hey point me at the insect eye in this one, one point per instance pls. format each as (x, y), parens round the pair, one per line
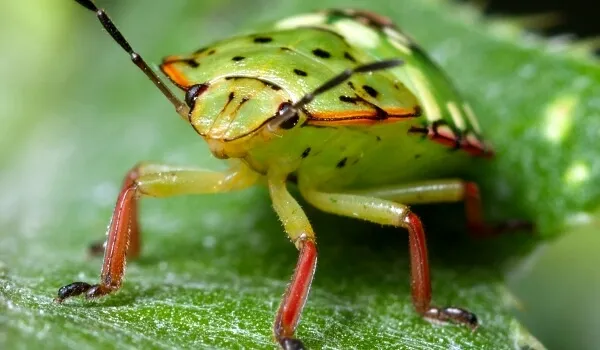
(287, 120)
(290, 122)
(193, 92)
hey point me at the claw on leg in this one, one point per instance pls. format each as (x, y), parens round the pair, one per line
(78, 288)
(291, 344)
(453, 314)
(71, 290)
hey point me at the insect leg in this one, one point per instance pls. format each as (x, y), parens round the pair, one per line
(133, 249)
(475, 220)
(386, 212)
(154, 181)
(301, 234)
(449, 190)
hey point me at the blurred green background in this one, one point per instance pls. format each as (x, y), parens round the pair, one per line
(75, 115)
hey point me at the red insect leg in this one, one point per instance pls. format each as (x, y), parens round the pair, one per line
(295, 296)
(475, 221)
(421, 281)
(123, 232)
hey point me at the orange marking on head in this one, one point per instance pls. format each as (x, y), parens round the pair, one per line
(175, 75)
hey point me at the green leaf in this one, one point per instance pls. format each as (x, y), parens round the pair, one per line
(78, 115)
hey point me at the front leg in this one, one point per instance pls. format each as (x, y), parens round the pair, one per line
(151, 180)
(301, 234)
(386, 212)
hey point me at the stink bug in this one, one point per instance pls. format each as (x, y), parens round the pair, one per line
(317, 100)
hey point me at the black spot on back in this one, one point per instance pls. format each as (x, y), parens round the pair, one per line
(349, 57)
(418, 110)
(200, 50)
(191, 62)
(306, 152)
(351, 85)
(271, 85)
(418, 130)
(348, 99)
(342, 163)
(283, 48)
(300, 72)
(237, 58)
(321, 53)
(263, 40)
(371, 91)
(211, 52)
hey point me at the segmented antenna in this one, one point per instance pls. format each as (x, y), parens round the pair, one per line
(181, 108)
(292, 110)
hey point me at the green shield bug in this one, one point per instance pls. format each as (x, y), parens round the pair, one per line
(340, 102)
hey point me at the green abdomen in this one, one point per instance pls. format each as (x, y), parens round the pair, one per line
(339, 158)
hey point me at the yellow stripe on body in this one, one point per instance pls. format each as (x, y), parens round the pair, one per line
(457, 117)
(423, 90)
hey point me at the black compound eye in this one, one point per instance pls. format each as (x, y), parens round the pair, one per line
(193, 92)
(290, 120)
